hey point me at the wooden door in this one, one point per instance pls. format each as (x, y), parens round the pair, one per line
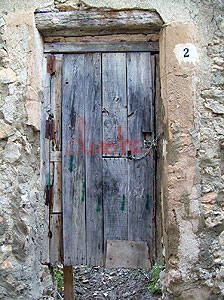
(107, 113)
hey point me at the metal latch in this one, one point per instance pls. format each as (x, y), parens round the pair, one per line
(148, 144)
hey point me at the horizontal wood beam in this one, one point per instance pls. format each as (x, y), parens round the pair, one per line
(79, 23)
(100, 47)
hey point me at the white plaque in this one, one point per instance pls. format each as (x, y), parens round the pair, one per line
(186, 53)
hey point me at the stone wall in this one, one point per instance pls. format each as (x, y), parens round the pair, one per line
(22, 205)
(193, 147)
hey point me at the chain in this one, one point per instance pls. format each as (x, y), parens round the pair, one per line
(152, 144)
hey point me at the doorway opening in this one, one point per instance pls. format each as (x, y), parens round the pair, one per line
(116, 210)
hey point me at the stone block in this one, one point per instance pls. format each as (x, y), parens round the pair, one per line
(33, 109)
(7, 75)
(202, 293)
(209, 200)
(5, 130)
(12, 152)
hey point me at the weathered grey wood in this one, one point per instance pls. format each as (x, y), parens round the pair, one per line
(114, 103)
(73, 160)
(139, 94)
(93, 154)
(158, 226)
(68, 283)
(141, 197)
(106, 198)
(45, 162)
(56, 238)
(56, 100)
(56, 109)
(141, 173)
(153, 74)
(100, 47)
(127, 254)
(115, 200)
(56, 156)
(77, 23)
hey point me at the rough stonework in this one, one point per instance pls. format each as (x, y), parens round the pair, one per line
(192, 105)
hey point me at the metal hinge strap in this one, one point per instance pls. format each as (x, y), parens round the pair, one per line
(51, 64)
(50, 126)
(49, 195)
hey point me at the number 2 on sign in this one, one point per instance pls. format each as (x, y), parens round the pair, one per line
(186, 52)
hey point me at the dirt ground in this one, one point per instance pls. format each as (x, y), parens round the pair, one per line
(111, 284)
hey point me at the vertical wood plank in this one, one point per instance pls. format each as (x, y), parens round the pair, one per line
(73, 162)
(55, 220)
(56, 109)
(93, 153)
(139, 92)
(114, 108)
(45, 167)
(158, 225)
(68, 283)
(140, 123)
(141, 197)
(153, 74)
(115, 199)
(56, 238)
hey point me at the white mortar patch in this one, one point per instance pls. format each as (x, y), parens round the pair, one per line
(186, 53)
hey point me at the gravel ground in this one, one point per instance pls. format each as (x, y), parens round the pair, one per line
(111, 284)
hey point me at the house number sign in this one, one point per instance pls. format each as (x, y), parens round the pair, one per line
(186, 53)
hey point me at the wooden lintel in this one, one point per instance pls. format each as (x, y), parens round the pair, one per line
(101, 47)
(80, 23)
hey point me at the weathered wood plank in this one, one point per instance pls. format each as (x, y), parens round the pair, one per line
(101, 47)
(56, 238)
(56, 100)
(154, 126)
(114, 103)
(45, 162)
(56, 156)
(158, 226)
(115, 199)
(56, 109)
(78, 22)
(93, 153)
(140, 126)
(140, 197)
(68, 283)
(127, 254)
(139, 94)
(73, 160)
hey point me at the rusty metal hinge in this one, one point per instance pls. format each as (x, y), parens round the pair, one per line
(50, 126)
(49, 195)
(51, 64)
